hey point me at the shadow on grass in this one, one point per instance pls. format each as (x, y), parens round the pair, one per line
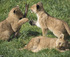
(32, 33)
(29, 33)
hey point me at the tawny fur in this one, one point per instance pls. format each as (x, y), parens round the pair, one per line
(46, 22)
(12, 23)
(38, 43)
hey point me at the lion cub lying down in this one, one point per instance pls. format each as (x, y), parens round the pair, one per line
(38, 43)
(12, 23)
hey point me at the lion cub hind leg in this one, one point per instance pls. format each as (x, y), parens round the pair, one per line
(5, 35)
(58, 33)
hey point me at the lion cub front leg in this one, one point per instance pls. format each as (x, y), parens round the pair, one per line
(16, 26)
(44, 31)
(60, 50)
(22, 21)
(16, 34)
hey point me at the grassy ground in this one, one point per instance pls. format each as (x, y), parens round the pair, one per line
(56, 8)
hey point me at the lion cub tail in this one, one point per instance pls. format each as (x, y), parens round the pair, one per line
(67, 27)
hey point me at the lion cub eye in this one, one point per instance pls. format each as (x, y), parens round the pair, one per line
(20, 18)
(59, 43)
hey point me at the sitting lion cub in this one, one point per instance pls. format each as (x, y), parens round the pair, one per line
(12, 23)
(38, 43)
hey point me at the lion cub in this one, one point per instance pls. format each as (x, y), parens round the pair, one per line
(38, 43)
(46, 22)
(12, 23)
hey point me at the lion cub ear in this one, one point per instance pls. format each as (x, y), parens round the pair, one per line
(14, 11)
(40, 3)
(61, 36)
(38, 7)
(16, 8)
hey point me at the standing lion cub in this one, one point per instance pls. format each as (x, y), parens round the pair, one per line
(38, 43)
(46, 22)
(12, 23)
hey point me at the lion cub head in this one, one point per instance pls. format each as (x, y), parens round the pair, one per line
(37, 7)
(16, 12)
(61, 43)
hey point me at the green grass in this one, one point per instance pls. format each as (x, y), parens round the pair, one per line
(56, 8)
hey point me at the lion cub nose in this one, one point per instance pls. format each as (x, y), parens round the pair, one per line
(31, 22)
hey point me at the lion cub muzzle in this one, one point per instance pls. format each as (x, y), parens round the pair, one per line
(32, 22)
